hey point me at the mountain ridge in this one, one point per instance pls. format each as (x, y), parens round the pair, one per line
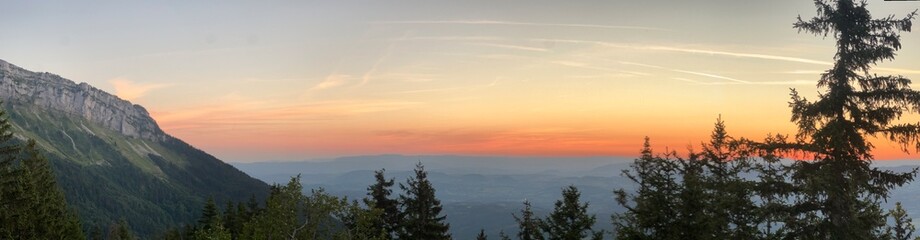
(112, 159)
(52, 91)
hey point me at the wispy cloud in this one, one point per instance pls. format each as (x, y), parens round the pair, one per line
(446, 89)
(604, 69)
(509, 46)
(449, 38)
(386, 54)
(719, 53)
(793, 82)
(688, 80)
(235, 112)
(736, 54)
(512, 23)
(803, 72)
(690, 50)
(409, 77)
(710, 75)
(130, 90)
(688, 72)
(331, 81)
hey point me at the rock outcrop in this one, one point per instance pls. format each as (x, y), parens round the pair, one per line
(50, 91)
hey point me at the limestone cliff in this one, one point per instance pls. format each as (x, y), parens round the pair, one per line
(50, 91)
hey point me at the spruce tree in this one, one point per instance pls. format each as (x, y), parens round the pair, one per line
(47, 215)
(421, 215)
(652, 212)
(570, 219)
(232, 220)
(120, 231)
(209, 215)
(210, 225)
(903, 225)
(32, 205)
(528, 224)
(839, 191)
(482, 235)
(11, 197)
(731, 211)
(361, 223)
(379, 198)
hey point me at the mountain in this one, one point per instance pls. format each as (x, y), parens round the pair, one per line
(112, 159)
(483, 192)
(477, 192)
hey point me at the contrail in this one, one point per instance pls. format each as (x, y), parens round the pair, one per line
(493, 22)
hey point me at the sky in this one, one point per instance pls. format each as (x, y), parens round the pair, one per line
(255, 81)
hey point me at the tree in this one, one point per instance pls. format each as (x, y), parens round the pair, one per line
(47, 214)
(32, 205)
(11, 197)
(232, 221)
(120, 231)
(482, 235)
(421, 215)
(210, 224)
(210, 217)
(528, 224)
(218, 232)
(361, 223)
(839, 191)
(379, 198)
(903, 226)
(652, 212)
(728, 194)
(282, 214)
(569, 219)
(702, 196)
(319, 209)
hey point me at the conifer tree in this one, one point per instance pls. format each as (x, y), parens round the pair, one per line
(252, 207)
(421, 215)
(731, 210)
(32, 205)
(120, 231)
(482, 235)
(379, 198)
(209, 215)
(839, 190)
(570, 219)
(11, 197)
(46, 215)
(361, 223)
(232, 220)
(96, 234)
(652, 212)
(903, 225)
(210, 224)
(528, 224)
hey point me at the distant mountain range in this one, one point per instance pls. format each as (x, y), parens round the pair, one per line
(484, 192)
(112, 159)
(477, 192)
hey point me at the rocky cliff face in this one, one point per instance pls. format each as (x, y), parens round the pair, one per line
(46, 90)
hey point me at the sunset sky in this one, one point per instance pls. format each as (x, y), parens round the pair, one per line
(294, 80)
